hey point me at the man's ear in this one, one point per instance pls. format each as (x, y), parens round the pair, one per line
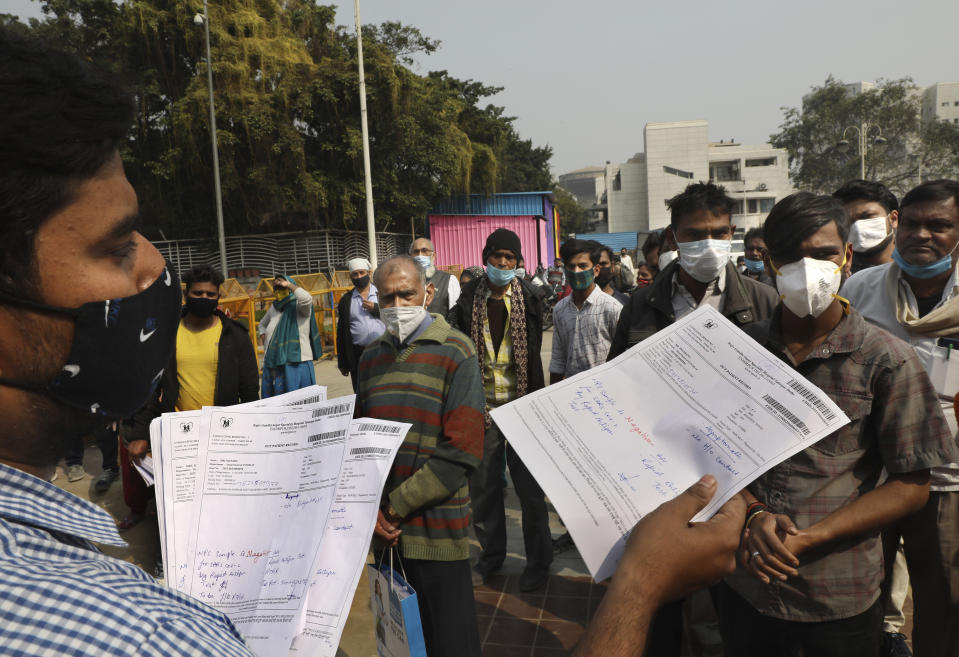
(893, 219)
(430, 293)
(669, 239)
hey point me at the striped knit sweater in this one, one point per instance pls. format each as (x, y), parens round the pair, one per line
(434, 384)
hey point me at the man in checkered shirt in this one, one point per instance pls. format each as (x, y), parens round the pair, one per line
(585, 321)
(67, 238)
(811, 560)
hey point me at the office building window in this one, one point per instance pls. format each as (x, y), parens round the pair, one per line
(956, 103)
(724, 171)
(617, 183)
(679, 172)
(738, 207)
(945, 103)
(760, 205)
(761, 162)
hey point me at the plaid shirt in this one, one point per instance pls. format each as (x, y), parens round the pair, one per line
(59, 596)
(895, 423)
(581, 338)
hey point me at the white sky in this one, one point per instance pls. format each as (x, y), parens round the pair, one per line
(586, 76)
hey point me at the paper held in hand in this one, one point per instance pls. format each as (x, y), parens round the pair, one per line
(266, 511)
(698, 397)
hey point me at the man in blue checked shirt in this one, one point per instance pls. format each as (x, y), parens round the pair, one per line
(88, 315)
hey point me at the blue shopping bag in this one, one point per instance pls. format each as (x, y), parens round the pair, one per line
(396, 613)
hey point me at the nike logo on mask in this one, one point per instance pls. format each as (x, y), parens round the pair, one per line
(146, 336)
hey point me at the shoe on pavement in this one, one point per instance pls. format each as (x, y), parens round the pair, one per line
(533, 580)
(54, 477)
(102, 483)
(481, 574)
(75, 472)
(894, 645)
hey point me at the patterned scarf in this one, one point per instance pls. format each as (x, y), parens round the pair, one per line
(517, 322)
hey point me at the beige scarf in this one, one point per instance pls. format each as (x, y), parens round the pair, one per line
(944, 320)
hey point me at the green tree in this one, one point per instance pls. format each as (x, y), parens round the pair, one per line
(812, 133)
(572, 217)
(288, 126)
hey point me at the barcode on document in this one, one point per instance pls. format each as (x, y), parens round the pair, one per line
(786, 413)
(812, 397)
(329, 435)
(331, 410)
(380, 428)
(369, 450)
(308, 400)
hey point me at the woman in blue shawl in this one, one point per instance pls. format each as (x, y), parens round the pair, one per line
(292, 340)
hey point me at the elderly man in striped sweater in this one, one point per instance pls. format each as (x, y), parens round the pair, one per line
(423, 372)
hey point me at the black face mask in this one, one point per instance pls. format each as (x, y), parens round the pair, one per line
(604, 277)
(362, 282)
(201, 306)
(120, 348)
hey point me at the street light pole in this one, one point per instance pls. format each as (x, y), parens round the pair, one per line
(221, 236)
(862, 131)
(370, 225)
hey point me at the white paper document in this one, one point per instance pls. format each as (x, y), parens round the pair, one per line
(698, 397)
(267, 510)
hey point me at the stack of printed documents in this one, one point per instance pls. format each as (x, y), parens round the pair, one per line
(266, 511)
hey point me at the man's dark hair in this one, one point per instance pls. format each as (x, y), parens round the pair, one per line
(700, 196)
(202, 274)
(867, 190)
(598, 251)
(653, 241)
(796, 218)
(572, 248)
(61, 123)
(752, 234)
(932, 190)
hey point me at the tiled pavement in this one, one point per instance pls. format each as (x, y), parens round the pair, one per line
(546, 623)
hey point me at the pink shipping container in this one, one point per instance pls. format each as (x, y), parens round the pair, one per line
(459, 239)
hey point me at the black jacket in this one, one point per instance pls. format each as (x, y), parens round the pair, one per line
(344, 339)
(461, 315)
(650, 308)
(237, 379)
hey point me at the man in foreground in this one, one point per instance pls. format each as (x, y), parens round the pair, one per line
(915, 297)
(811, 560)
(423, 372)
(70, 360)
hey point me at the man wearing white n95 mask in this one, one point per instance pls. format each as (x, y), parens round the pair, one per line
(702, 275)
(811, 561)
(873, 214)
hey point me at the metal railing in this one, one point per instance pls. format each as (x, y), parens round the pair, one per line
(283, 253)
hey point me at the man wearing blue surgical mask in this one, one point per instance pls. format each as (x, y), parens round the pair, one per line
(447, 287)
(703, 274)
(503, 314)
(916, 298)
(755, 257)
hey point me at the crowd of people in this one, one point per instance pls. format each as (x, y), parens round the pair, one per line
(856, 291)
